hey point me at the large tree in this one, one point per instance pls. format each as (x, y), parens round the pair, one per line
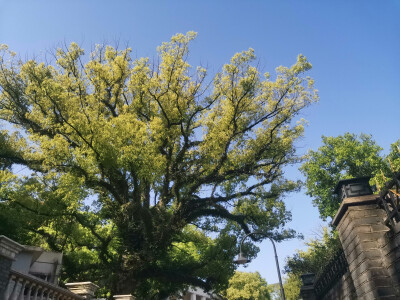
(132, 162)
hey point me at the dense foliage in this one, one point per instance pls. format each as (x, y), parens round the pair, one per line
(313, 260)
(340, 157)
(247, 286)
(128, 164)
(292, 286)
(319, 252)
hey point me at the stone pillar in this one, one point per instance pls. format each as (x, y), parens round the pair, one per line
(307, 291)
(362, 232)
(8, 250)
(85, 289)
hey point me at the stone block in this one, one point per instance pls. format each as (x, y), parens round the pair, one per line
(350, 242)
(385, 292)
(363, 228)
(355, 260)
(9, 248)
(124, 297)
(380, 227)
(356, 213)
(85, 289)
(372, 236)
(368, 221)
(373, 253)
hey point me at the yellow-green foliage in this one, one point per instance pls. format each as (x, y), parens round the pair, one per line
(124, 154)
(116, 112)
(391, 167)
(292, 287)
(247, 286)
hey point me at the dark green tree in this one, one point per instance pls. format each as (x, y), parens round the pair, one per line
(340, 157)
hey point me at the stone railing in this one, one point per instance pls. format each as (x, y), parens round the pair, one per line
(25, 287)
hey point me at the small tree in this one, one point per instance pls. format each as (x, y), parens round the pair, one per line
(131, 163)
(313, 260)
(247, 286)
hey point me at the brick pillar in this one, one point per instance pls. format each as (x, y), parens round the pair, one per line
(307, 291)
(362, 232)
(8, 250)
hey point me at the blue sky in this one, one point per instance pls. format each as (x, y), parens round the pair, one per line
(354, 47)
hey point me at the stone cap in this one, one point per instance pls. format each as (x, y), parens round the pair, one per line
(85, 289)
(353, 201)
(9, 248)
(353, 187)
(307, 279)
(124, 297)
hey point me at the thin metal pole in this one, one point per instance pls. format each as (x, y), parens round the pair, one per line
(277, 268)
(276, 259)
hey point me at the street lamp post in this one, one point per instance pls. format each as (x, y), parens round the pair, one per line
(243, 260)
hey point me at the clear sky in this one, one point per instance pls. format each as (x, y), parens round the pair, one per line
(354, 47)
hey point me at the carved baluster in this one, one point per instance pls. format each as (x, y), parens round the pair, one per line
(29, 292)
(13, 295)
(36, 292)
(8, 288)
(42, 293)
(21, 292)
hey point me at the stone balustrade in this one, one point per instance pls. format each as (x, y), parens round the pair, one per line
(25, 287)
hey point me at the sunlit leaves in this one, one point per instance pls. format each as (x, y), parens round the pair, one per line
(341, 157)
(247, 286)
(130, 153)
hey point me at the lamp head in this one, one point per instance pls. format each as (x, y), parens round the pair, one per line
(241, 260)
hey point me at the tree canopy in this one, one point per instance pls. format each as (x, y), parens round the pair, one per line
(130, 163)
(342, 157)
(247, 286)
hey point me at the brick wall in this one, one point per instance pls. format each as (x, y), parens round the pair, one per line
(343, 289)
